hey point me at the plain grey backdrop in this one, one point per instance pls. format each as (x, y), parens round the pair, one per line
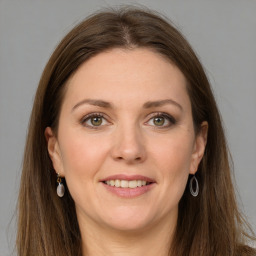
(223, 33)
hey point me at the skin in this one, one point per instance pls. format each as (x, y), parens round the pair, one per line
(130, 140)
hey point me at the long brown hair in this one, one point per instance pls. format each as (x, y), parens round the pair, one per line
(208, 225)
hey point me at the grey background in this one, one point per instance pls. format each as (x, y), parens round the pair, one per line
(223, 33)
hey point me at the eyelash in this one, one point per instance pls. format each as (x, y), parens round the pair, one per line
(167, 117)
(87, 117)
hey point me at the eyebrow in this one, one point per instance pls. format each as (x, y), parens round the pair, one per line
(159, 103)
(148, 104)
(98, 103)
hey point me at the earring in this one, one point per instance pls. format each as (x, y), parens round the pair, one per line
(192, 191)
(60, 187)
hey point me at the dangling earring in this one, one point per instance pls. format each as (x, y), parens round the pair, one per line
(60, 187)
(192, 191)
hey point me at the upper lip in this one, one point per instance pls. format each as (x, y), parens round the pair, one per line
(128, 177)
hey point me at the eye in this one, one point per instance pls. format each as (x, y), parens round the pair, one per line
(94, 120)
(161, 120)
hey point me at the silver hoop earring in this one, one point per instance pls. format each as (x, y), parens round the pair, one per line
(192, 191)
(60, 187)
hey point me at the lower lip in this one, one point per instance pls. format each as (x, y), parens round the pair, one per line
(129, 192)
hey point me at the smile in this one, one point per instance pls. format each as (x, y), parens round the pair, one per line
(127, 186)
(126, 183)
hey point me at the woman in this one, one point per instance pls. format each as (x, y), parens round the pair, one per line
(126, 153)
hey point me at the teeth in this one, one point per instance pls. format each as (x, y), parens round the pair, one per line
(117, 183)
(133, 184)
(126, 183)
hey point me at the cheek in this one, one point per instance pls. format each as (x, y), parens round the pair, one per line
(174, 152)
(82, 155)
(173, 158)
(82, 159)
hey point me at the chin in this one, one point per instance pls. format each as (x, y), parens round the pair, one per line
(128, 226)
(127, 220)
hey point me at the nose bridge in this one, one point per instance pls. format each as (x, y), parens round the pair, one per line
(128, 143)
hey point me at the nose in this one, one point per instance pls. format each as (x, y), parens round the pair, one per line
(128, 146)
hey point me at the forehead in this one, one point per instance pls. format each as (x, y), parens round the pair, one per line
(127, 75)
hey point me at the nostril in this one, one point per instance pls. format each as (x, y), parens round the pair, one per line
(128, 154)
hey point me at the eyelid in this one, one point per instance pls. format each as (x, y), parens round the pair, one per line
(94, 114)
(167, 116)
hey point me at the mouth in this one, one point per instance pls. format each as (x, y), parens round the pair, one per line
(128, 186)
(127, 183)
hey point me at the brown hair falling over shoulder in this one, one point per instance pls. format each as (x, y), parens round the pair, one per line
(208, 225)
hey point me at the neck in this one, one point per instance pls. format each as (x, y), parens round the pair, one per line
(102, 240)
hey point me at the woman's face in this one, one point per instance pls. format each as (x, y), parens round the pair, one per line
(126, 142)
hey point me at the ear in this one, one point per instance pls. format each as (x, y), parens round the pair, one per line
(54, 151)
(199, 147)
